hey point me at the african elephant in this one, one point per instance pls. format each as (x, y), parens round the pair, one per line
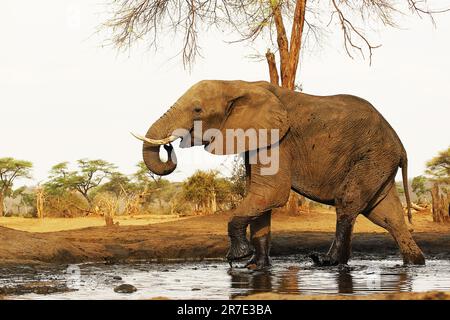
(337, 150)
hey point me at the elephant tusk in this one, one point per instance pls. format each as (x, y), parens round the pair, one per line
(153, 141)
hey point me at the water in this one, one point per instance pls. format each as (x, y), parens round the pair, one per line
(215, 280)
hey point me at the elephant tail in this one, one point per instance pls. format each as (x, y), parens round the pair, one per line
(404, 166)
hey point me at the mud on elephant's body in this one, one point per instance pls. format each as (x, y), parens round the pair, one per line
(337, 150)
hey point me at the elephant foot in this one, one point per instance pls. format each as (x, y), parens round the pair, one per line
(256, 263)
(415, 259)
(239, 245)
(238, 250)
(323, 260)
(260, 260)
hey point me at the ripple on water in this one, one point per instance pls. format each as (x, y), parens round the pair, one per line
(214, 280)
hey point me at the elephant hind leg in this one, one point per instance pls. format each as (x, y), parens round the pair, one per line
(341, 248)
(388, 214)
(360, 186)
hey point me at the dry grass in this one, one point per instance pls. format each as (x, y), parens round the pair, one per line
(61, 224)
(320, 220)
(143, 237)
(323, 220)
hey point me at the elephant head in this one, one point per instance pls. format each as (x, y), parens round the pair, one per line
(216, 106)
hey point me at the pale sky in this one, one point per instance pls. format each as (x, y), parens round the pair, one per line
(63, 97)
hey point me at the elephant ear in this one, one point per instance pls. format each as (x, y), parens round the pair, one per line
(254, 118)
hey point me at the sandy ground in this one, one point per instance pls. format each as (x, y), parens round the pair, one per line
(191, 238)
(60, 224)
(321, 220)
(158, 238)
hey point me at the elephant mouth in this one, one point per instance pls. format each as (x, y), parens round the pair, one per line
(189, 140)
(186, 140)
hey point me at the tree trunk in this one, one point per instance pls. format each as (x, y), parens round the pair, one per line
(40, 202)
(296, 42)
(292, 204)
(109, 221)
(289, 52)
(213, 202)
(282, 42)
(417, 207)
(273, 72)
(89, 201)
(441, 205)
(2, 204)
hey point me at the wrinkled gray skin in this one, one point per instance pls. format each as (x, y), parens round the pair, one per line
(337, 150)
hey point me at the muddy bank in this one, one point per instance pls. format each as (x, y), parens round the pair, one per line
(42, 289)
(194, 238)
(433, 295)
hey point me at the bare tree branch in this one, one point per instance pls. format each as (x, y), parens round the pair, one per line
(133, 21)
(296, 40)
(273, 72)
(282, 41)
(348, 30)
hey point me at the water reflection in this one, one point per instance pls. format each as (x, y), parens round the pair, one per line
(363, 277)
(214, 280)
(344, 281)
(289, 280)
(250, 281)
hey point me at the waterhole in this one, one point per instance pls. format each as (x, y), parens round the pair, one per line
(215, 279)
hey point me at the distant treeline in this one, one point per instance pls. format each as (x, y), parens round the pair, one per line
(96, 187)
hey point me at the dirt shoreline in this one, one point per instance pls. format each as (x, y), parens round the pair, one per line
(198, 238)
(431, 295)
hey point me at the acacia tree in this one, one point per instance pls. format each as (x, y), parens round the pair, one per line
(134, 20)
(418, 185)
(151, 185)
(145, 177)
(438, 169)
(10, 170)
(88, 175)
(27, 199)
(118, 184)
(206, 190)
(238, 177)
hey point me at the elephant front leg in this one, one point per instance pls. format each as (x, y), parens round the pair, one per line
(265, 192)
(239, 244)
(259, 248)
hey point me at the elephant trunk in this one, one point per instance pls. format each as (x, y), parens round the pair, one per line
(160, 130)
